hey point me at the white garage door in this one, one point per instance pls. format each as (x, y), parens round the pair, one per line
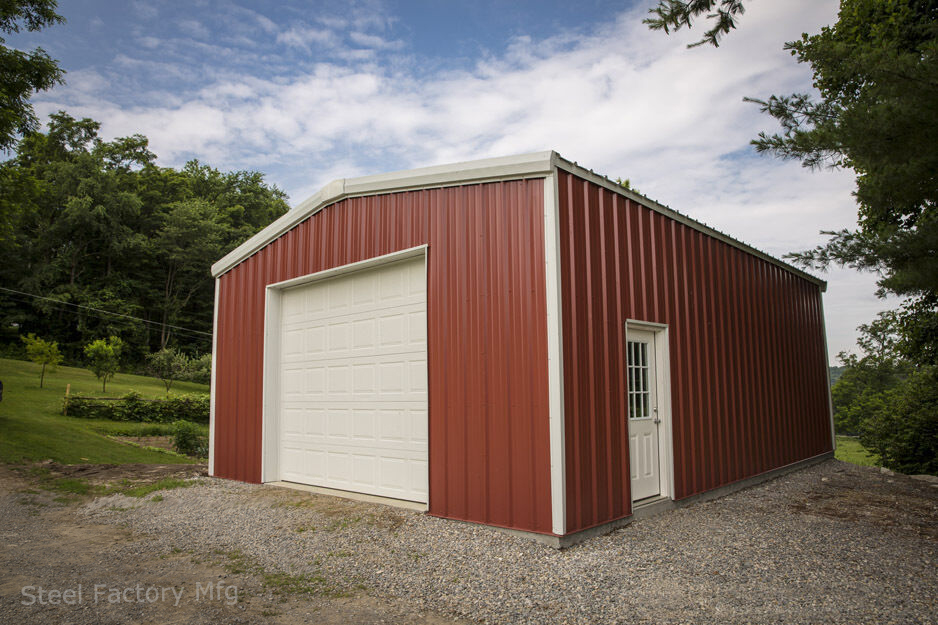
(353, 385)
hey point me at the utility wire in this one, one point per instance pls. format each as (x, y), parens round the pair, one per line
(108, 312)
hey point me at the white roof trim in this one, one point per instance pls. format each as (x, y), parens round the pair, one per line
(535, 164)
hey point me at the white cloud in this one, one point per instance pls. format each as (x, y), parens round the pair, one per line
(146, 10)
(149, 42)
(193, 28)
(623, 100)
(374, 41)
(304, 37)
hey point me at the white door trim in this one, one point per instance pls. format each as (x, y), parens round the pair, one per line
(663, 390)
(270, 412)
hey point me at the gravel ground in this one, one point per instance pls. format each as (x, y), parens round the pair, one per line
(832, 543)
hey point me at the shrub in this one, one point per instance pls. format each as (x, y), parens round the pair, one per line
(188, 439)
(200, 369)
(43, 353)
(902, 424)
(132, 407)
(168, 365)
(103, 358)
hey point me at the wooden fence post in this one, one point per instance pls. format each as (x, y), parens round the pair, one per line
(68, 388)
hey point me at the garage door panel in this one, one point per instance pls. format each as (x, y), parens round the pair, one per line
(399, 330)
(354, 382)
(396, 429)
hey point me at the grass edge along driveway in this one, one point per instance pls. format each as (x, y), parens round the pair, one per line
(33, 429)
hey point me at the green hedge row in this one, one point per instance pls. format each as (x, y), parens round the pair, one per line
(132, 407)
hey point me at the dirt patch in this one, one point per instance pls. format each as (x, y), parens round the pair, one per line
(46, 544)
(138, 473)
(160, 442)
(335, 511)
(887, 502)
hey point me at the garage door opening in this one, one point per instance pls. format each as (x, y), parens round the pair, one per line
(345, 403)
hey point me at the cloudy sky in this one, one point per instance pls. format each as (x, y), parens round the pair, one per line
(311, 91)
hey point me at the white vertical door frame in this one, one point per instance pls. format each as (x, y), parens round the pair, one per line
(663, 396)
(211, 390)
(270, 415)
(558, 478)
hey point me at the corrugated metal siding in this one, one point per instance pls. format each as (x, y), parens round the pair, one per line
(746, 340)
(489, 451)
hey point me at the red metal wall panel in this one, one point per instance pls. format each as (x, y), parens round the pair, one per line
(748, 381)
(488, 424)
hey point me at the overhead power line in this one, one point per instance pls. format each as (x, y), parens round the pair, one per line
(108, 312)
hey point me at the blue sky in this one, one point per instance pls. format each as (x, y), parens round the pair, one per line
(312, 91)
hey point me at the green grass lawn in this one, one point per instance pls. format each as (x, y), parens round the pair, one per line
(32, 427)
(850, 450)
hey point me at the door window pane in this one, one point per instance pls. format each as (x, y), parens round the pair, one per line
(639, 393)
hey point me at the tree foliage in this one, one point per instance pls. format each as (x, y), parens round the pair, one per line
(876, 70)
(677, 14)
(98, 224)
(169, 365)
(104, 358)
(888, 400)
(24, 73)
(43, 353)
(876, 112)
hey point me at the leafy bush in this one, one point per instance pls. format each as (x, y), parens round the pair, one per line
(43, 353)
(103, 358)
(169, 365)
(902, 424)
(188, 439)
(200, 369)
(861, 388)
(132, 407)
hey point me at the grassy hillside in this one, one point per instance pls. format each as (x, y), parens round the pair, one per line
(32, 427)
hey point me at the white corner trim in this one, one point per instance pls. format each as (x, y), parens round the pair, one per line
(535, 164)
(558, 469)
(211, 400)
(270, 400)
(827, 374)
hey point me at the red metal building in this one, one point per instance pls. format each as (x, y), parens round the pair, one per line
(514, 341)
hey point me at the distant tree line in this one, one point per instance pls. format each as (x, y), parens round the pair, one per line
(100, 226)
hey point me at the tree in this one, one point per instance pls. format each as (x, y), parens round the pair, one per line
(43, 353)
(104, 358)
(675, 14)
(861, 390)
(98, 225)
(888, 400)
(24, 73)
(169, 365)
(876, 71)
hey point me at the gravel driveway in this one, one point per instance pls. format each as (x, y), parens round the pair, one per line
(831, 543)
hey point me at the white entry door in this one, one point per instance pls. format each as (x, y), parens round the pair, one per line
(644, 422)
(353, 382)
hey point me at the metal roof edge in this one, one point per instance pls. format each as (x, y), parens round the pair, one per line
(499, 168)
(603, 181)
